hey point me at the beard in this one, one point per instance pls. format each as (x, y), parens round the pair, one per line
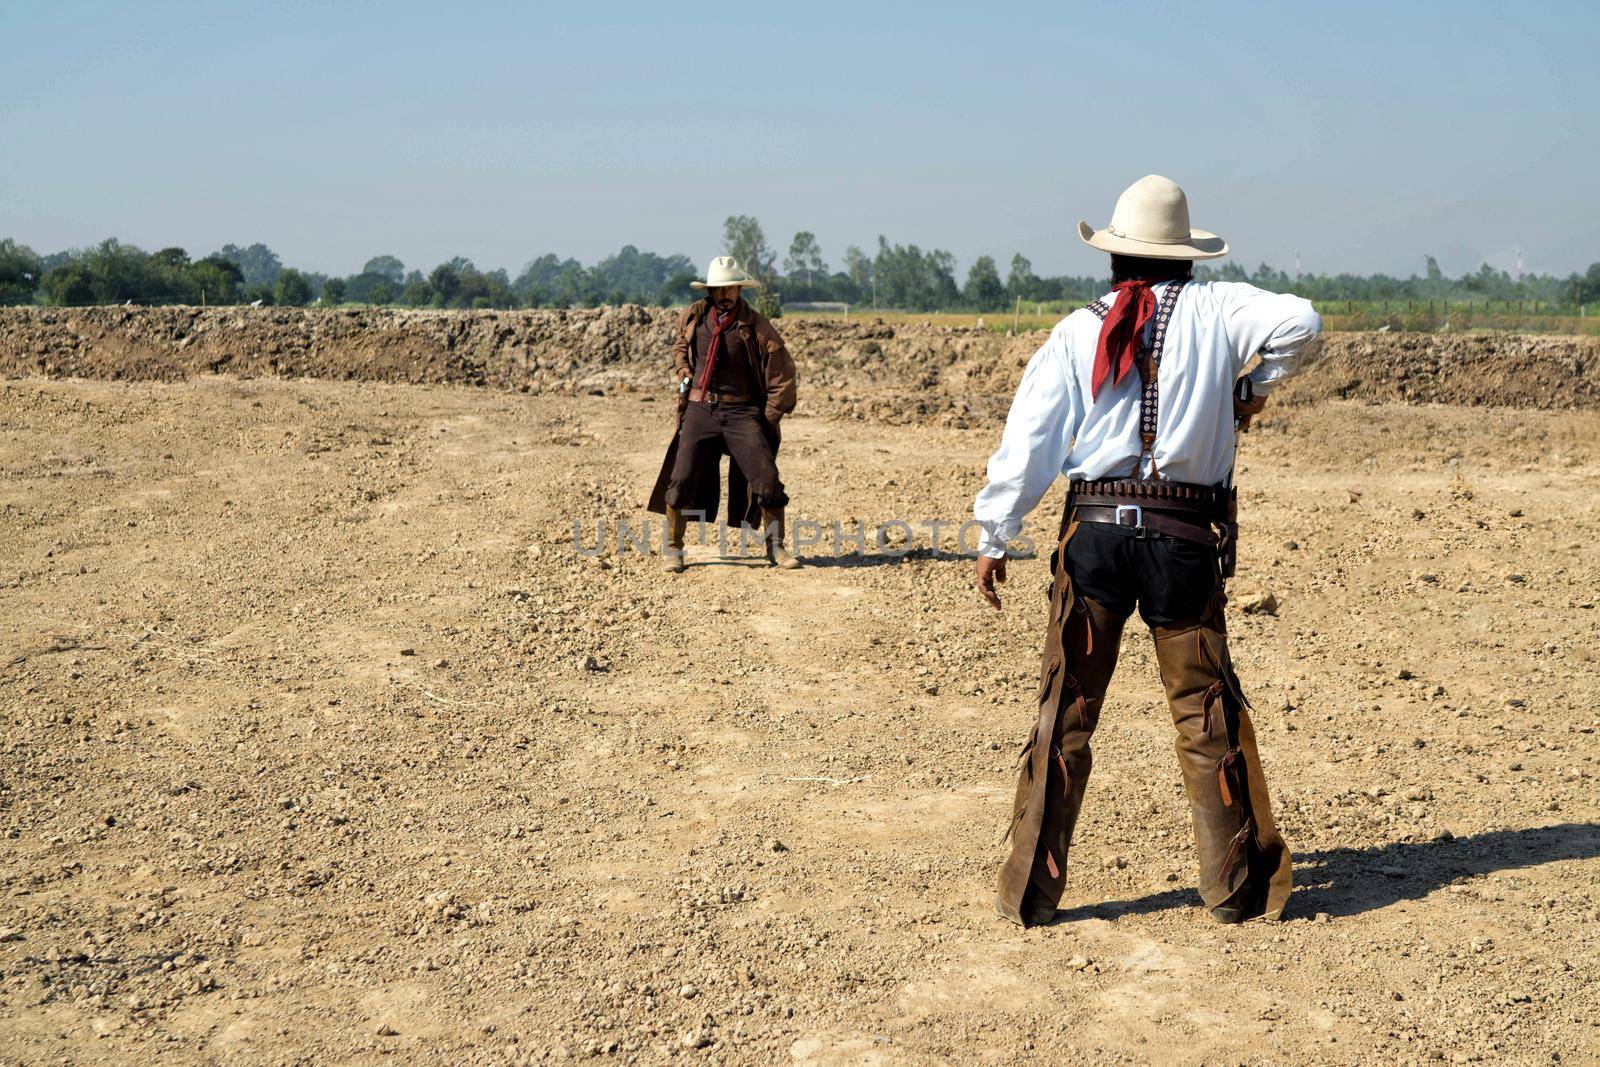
(726, 303)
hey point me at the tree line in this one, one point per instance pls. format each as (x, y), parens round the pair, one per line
(892, 276)
(113, 273)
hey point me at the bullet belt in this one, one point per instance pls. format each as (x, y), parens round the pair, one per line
(1176, 509)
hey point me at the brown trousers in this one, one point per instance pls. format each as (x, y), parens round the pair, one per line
(1244, 863)
(708, 430)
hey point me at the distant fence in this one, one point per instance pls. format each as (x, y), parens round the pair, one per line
(1444, 307)
(818, 305)
(1426, 316)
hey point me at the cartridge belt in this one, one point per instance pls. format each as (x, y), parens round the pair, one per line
(1183, 510)
(1212, 503)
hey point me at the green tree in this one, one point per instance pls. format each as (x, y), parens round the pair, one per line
(69, 285)
(907, 277)
(20, 273)
(983, 289)
(743, 240)
(573, 286)
(858, 265)
(214, 280)
(417, 294)
(473, 288)
(444, 283)
(174, 259)
(167, 278)
(804, 257)
(447, 282)
(119, 272)
(1584, 288)
(674, 289)
(381, 295)
(292, 289)
(536, 284)
(389, 267)
(333, 292)
(1021, 281)
(110, 272)
(258, 263)
(629, 276)
(499, 292)
(358, 287)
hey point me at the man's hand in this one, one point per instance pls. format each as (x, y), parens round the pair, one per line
(1243, 410)
(990, 571)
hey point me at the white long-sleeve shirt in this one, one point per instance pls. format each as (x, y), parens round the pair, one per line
(1055, 428)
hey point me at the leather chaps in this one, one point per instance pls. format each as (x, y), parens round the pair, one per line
(1244, 863)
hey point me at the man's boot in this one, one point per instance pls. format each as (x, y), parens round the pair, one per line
(772, 524)
(677, 525)
(1080, 654)
(1244, 863)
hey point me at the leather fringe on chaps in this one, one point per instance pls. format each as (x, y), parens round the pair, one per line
(1081, 644)
(1244, 863)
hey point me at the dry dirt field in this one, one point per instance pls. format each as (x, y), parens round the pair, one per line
(321, 743)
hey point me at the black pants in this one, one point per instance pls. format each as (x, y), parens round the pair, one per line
(707, 430)
(1171, 580)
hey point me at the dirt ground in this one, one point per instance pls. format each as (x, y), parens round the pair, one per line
(321, 743)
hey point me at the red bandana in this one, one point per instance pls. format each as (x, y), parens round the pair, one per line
(1122, 331)
(719, 324)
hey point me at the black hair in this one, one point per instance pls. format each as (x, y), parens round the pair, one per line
(1151, 270)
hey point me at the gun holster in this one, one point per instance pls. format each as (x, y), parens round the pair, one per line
(1228, 539)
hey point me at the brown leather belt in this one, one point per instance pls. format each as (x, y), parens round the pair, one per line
(1145, 519)
(1177, 509)
(705, 396)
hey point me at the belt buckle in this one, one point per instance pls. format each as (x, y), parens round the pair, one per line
(1137, 514)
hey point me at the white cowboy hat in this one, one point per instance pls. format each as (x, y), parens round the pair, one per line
(725, 270)
(1152, 220)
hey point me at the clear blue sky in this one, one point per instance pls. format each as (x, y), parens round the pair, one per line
(1364, 135)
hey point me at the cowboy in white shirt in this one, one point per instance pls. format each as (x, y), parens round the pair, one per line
(1149, 524)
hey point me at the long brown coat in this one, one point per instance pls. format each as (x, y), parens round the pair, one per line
(769, 369)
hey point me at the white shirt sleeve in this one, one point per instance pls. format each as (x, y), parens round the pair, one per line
(1044, 419)
(1286, 331)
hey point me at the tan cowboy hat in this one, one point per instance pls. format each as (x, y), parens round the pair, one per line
(725, 270)
(1152, 220)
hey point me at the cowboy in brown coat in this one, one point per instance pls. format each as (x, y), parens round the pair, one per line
(1149, 524)
(736, 382)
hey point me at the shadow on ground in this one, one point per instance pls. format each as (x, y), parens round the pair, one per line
(1350, 881)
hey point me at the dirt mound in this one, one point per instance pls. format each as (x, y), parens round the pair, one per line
(1511, 370)
(861, 370)
(472, 347)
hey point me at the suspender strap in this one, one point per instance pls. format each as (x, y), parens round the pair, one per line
(1149, 372)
